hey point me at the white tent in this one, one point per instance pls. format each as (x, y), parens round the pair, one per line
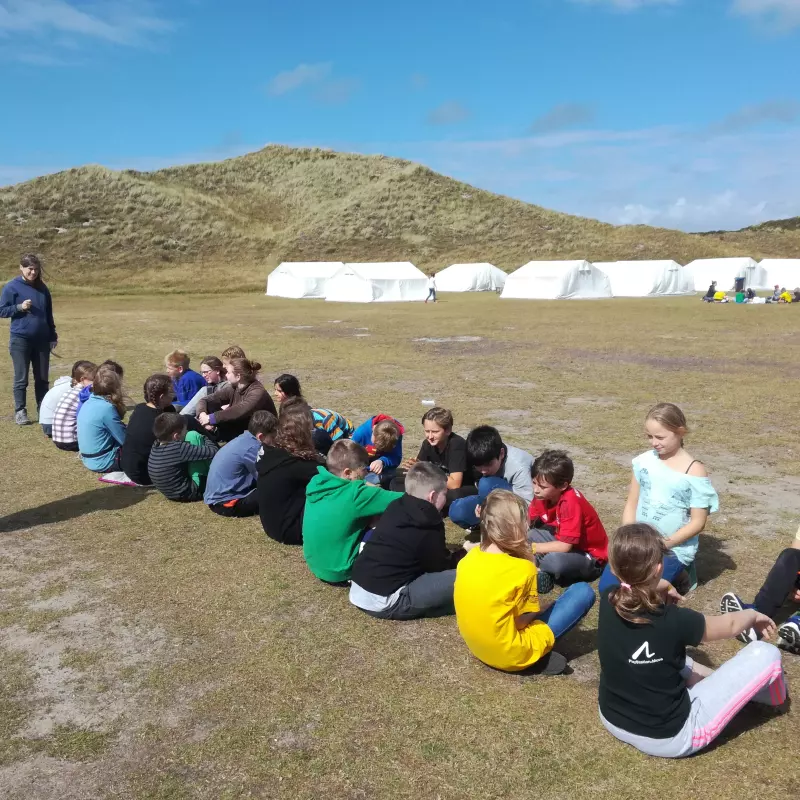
(725, 271)
(301, 278)
(783, 271)
(557, 280)
(367, 283)
(646, 278)
(470, 278)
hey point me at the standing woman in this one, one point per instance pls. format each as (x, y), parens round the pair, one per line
(27, 302)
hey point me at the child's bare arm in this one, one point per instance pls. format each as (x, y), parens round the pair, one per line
(629, 512)
(542, 548)
(696, 524)
(728, 626)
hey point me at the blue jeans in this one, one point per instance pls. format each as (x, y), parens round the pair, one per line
(462, 510)
(672, 568)
(569, 609)
(24, 355)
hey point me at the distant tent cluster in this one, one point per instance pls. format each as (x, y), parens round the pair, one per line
(537, 280)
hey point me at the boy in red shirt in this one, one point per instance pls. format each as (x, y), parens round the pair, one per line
(567, 537)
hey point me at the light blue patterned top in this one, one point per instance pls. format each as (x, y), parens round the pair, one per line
(666, 498)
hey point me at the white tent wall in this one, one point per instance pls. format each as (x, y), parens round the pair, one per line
(395, 281)
(301, 279)
(470, 278)
(557, 280)
(646, 278)
(722, 270)
(783, 271)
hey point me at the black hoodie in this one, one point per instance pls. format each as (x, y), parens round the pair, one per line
(407, 542)
(281, 487)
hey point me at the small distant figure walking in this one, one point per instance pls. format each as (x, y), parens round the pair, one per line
(26, 301)
(431, 288)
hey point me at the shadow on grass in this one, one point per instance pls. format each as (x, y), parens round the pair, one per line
(712, 560)
(111, 498)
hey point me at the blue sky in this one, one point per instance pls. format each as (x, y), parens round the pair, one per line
(681, 113)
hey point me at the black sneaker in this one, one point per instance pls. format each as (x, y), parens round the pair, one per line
(730, 604)
(545, 582)
(551, 664)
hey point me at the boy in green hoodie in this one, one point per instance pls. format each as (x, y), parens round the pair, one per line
(339, 508)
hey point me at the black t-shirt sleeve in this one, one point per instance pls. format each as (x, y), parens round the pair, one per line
(457, 455)
(423, 454)
(690, 625)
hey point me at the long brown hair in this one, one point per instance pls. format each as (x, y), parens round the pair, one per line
(108, 384)
(295, 429)
(634, 555)
(504, 523)
(246, 370)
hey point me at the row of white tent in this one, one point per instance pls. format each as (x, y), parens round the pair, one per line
(544, 280)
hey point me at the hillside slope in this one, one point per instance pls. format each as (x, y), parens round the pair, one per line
(232, 220)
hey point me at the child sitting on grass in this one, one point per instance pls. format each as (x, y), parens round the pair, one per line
(179, 461)
(101, 432)
(671, 491)
(65, 419)
(139, 439)
(569, 541)
(86, 391)
(499, 466)
(652, 695)
(405, 570)
(497, 606)
(186, 382)
(382, 436)
(231, 484)
(782, 583)
(339, 507)
(62, 387)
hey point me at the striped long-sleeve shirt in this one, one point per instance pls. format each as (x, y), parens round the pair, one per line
(334, 424)
(65, 420)
(168, 467)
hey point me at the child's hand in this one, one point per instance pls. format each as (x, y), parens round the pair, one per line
(478, 512)
(468, 545)
(796, 596)
(409, 462)
(524, 620)
(764, 626)
(376, 466)
(672, 595)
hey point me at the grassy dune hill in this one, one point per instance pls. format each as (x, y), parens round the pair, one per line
(235, 218)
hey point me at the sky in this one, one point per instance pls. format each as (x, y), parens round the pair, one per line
(678, 113)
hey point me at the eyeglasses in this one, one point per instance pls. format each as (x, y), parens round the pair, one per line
(206, 371)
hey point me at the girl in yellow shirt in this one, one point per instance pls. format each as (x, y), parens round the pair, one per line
(497, 608)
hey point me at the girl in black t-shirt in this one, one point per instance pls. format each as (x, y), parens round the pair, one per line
(652, 695)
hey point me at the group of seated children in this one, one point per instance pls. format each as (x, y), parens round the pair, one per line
(371, 522)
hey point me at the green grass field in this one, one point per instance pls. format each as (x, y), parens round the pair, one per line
(153, 650)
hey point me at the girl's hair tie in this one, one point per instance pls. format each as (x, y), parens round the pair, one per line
(625, 586)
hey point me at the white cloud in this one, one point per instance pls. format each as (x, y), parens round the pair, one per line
(627, 5)
(123, 22)
(780, 15)
(563, 115)
(302, 75)
(448, 113)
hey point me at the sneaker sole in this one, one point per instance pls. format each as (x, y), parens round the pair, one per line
(791, 640)
(729, 605)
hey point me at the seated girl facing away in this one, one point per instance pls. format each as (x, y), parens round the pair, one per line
(671, 491)
(329, 426)
(497, 607)
(652, 695)
(101, 433)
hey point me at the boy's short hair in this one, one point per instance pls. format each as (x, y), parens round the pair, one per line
(484, 444)
(346, 454)
(263, 422)
(178, 358)
(113, 365)
(385, 436)
(166, 425)
(555, 467)
(424, 478)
